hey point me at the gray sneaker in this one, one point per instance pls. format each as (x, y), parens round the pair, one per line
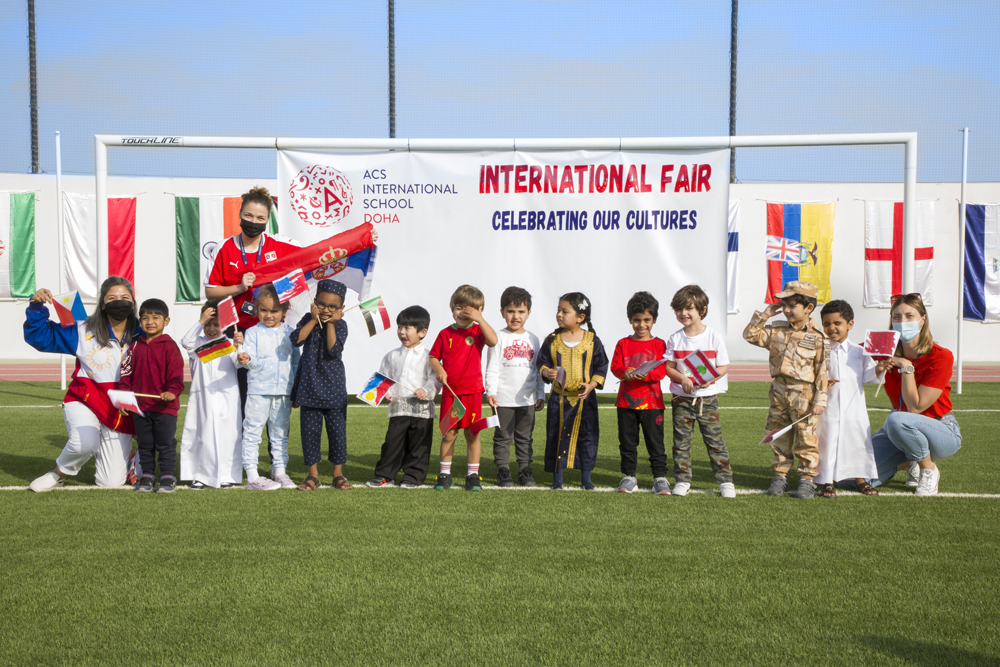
(913, 475)
(806, 490)
(628, 484)
(661, 486)
(285, 481)
(264, 484)
(778, 486)
(409, 485)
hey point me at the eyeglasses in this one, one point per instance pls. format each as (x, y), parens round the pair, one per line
(326, 306)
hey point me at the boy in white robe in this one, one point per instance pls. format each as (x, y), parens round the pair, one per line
(212, 444)
(845, 436)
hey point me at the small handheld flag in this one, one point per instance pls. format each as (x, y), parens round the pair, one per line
(492, 421)
(227, 313)
(291, 285)
(645, 368)
(700, 368)
(214, 349)
(125, 400)
(376, 315)
(69, 308)
(561, 376)
(454, 415)
(375, 389)
(781, 431)
(881, 344)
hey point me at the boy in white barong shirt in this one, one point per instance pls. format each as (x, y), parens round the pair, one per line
(845, 435)
(212, 443)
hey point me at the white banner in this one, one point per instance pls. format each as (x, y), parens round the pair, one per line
(605, 223)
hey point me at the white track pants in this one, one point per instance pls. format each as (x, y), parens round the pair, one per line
(88, 437)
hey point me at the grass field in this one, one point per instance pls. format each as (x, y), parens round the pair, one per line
(418, 577)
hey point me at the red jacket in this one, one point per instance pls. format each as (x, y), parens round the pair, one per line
(153, 367)
(639, 394)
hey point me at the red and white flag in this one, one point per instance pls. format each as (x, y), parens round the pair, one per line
(80, 241)
(227, 313)
(487, 422)
(700, 368)
(881, 344)
(884, 252)
(124, 400)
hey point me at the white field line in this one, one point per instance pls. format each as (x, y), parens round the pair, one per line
(602, 407)
(602, 489)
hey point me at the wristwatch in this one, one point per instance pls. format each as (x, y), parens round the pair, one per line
(906, 369)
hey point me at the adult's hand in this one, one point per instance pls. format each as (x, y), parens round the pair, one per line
(42, 296)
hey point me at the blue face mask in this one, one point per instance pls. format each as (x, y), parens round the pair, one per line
(907, 330)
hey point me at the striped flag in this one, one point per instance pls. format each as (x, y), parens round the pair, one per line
(201, 224)
(80, 241)
(732, 258)
(699, 367)
(485, 423)
(17, 244)
(124, 400)
(884, 252)
(69, 308)
(290, 286)
(453, 416)
(811, 226)
(214, 349)
(375, 389)
(376, 315)
(981, 300)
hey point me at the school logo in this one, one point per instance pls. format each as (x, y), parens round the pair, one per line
(321, 196)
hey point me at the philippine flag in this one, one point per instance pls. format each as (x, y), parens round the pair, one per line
(811, 226)
(375, 389)
(982, 263)
(69, 308)
(291, 285)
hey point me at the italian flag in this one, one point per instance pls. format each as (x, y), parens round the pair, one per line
(17, 244)
(80, 241)
(202, 223)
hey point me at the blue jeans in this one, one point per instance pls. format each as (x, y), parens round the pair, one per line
(276, 412)
(911, 437)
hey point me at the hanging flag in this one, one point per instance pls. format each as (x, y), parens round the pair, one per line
(981, 300)
(485, 423)
(291, 285)
(732, 258)
(699, 367)
(202, 224)
(453, 416)
(17, 244)
(227, 314)
(124, 400)
(80, 241)
(375, 389)
(884, 252)
(376, 316)
(214, 349)
(69, 308)
(811, 226)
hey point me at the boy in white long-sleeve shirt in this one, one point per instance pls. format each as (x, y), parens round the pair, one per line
(410, 434)
(514, 388)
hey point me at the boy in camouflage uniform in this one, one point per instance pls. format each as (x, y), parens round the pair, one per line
(798, 352)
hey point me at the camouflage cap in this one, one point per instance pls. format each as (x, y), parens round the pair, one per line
(798, 287)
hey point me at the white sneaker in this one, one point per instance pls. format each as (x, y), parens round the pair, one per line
(681, 488)
(727, 490)
(913, 475)
(928, 482)
(47, 482)
(285, 481)
(264, 484)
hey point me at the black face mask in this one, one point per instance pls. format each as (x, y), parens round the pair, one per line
(119, 309)
(252, 229)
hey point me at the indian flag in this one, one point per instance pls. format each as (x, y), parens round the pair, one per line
(17, 244)
(202, 223)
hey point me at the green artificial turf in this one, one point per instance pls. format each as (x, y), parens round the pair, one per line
(390, 576)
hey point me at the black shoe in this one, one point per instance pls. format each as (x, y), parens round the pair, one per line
(475, 483)
(524, 477)
(145, 484)
(504, 480)
(444, 483)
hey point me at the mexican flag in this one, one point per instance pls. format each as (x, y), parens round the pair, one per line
(80, 241)
(202, 223)
(17, 244)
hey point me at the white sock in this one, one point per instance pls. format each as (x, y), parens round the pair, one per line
(252, 475)
(277, 471)
(473, 469)
(445, 467)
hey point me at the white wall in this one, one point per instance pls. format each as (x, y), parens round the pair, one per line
(155, 259)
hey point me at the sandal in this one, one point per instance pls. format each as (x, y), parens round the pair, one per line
(341, 484)
(828, 490)
(866, 489)
(310, 483)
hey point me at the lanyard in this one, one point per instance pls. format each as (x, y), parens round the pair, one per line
(243, 252)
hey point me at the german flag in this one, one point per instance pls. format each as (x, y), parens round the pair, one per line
(214, 349)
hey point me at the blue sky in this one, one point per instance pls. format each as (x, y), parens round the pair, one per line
(514, 68)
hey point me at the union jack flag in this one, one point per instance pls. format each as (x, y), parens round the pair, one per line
(782, 250)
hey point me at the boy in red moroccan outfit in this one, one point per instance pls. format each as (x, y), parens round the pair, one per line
(457, 360)
(154, 365)
(640, 400)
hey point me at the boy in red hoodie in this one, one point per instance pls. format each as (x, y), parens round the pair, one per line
(153, 365)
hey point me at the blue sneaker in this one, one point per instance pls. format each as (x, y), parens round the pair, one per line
(145, 484)
(628, 484)
(661, 486)
(167, 484)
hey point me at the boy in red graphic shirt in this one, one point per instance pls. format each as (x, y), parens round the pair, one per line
(457, 360)
(640, 400)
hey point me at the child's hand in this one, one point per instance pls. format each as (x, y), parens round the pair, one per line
(640, 376)
(818, 410)
(550, 374)
(474, 314)
(628, 373)
(773, 309)
(882, 366)
(687, 386)
(238, 338)
(123, 412)
(494, 403)
(206, 316)
(539, 404)
(388, 398)
(830, 383)
(335, 316)
(587, 388)
(247, 281)
(314, 311)
(243, 358)
(167, 396)
(442, 376)
(421, 394)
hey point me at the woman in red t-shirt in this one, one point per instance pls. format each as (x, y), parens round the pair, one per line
(921, 428)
